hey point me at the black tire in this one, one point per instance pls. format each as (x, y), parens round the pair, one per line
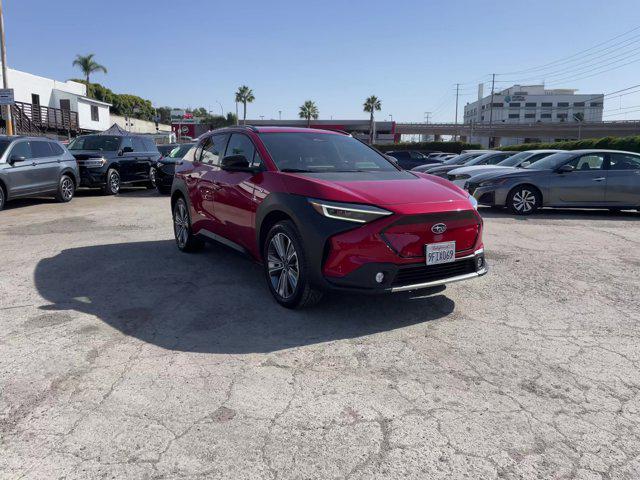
(112, 186)
(66, 189)
(286, 268)
(524, 200)
(183, 234)
(2, 198)
(151, 184)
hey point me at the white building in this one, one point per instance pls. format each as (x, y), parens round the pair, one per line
(49, 105)
(526, 104)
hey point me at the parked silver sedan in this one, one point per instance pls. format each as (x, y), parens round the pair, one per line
(580, 178)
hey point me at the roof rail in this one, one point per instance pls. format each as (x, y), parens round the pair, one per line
(248, 127)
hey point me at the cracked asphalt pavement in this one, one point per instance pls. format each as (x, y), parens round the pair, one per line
(122, 358)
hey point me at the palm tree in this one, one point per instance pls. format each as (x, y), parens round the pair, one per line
(88, 65)
(244, 95)
(371, 105)
(309, 110)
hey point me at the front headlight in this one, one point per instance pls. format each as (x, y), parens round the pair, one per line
(473, 201)
(93, 162)
(493, 183)
(350, 212)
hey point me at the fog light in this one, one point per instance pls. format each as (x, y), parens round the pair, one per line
(479, 262)
(379, 277)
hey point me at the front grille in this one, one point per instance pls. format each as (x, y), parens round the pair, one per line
(423, 273)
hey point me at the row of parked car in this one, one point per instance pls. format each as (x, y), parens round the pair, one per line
(526, 181)
(40, 166)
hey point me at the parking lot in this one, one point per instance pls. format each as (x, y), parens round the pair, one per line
(121, 357)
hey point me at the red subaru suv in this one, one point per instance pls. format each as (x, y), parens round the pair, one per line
(323, 211)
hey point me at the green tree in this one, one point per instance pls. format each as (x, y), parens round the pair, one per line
(371, 105)
(309, 110)
(244, 95)
(88, 65)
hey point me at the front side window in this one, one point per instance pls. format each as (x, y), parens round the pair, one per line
(322, 152)
(56, 149)
(106, 143)
(213, 149)
(21, 149)
(624, 161)
(552, 161)
(240, 144)
(127, 143)
(3, 146)
(593, 161)
(138, 145)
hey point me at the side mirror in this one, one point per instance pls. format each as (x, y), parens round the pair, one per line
(525, 164)
(235, 163)
(566, 169)
(16, 158)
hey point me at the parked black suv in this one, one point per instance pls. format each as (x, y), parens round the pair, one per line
(408, 159)
(108, 161)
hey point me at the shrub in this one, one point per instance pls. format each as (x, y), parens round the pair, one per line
(449, 147)
(629, 144)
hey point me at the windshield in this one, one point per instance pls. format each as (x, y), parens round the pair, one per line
(103, 143)
(551, 162)
(516, 159)
(484, 159)
(3, 146)
(458, 159)
(322, 152)
(180, 151)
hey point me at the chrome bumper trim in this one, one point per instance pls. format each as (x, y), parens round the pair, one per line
(435, 283)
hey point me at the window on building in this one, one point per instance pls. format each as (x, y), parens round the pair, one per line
(531, 104)
(562, 116)
(546, 104)
(595, 104)
(515, 104)
(514, 115)
(578, 104)
(498, 105)
(529, 115)
(563, 104)
(545, 115)
(95, 116)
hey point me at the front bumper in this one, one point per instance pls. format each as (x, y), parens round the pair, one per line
(93, 177)
(408, 277)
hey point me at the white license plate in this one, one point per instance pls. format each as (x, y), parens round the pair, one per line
(443, 252)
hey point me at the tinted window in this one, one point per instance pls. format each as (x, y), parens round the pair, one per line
(150, 144)
(21, 149)
(241, 145)
(400, 155)
(622, 161)
(552, 161)
(323, 152)
(417, 156)
(213, 149)
(56, 149)
(107, 143)
(138, 145)
(41, 149)
(514, 160)
(3, 146)
(126, 142)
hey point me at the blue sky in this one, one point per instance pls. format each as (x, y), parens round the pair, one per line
(408, 53)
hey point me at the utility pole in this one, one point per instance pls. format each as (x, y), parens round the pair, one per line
(5, 81)
(426, 116)
(279, 114)
(457, 95)
(493, 84)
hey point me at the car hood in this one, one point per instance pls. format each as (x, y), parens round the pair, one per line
(441, 169)
(474, 169)
(384, 189)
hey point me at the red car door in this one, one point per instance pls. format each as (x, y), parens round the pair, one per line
(235, 199)
(203, 184)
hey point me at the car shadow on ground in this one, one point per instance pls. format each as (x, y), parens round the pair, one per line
(563, 214)
(215, 301)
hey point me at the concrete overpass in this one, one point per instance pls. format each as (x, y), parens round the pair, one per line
(570, 130)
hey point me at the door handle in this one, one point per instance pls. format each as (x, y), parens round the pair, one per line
(599, 179)
(33, 164)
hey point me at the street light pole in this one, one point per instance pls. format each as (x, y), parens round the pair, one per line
(5, 81)
(457, 94)
(493, 83)
(279, 114)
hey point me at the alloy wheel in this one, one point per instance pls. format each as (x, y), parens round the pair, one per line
(181, 224)
(152, 177)
(283, 265)
(67, 188)
(114, 182)
(524, 201)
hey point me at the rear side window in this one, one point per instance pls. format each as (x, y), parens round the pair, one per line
(41, 149)
(21, 149)
(622, 161)
(138, 145)
(56, 149)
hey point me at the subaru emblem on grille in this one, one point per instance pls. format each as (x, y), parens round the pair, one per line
(439, 228)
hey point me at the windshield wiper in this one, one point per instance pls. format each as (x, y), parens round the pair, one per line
(295, 170)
